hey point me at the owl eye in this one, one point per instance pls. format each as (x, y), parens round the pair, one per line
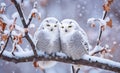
(55, 25)
(48, 25)
(62, 27)
(69, 26)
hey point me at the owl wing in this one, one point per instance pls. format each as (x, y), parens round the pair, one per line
(82, 32)
(42, 41)
(76, 47)
(85, 41)
(56, 45)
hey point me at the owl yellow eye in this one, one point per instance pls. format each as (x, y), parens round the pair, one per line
(62, 27)
(69, 26)
(55, 25)
(48, 25)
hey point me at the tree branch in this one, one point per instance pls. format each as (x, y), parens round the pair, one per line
(25, 25)
(100, 34)
(86, 60)
(106, 8)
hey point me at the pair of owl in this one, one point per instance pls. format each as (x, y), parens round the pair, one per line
(67, 37)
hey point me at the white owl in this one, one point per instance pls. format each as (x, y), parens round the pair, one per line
(47, 39)
(74, 40)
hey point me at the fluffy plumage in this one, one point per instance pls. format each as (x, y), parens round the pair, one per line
(47, 39)
(74, 40)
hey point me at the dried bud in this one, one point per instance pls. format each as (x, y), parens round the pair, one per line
(35, 64)
(4, 37)
(109, 23)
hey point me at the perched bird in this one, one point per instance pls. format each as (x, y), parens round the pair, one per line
(74, 41)
(47, 39)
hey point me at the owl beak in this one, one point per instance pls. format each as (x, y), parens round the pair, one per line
(66, 30)
(51, 29)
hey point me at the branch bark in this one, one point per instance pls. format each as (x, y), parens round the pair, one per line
(86, 60)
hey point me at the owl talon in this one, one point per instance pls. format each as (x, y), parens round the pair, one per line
(13, 54)
(78, 70)
(45, 53)
(53, 54)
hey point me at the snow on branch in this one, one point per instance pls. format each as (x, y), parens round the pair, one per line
(87, 60)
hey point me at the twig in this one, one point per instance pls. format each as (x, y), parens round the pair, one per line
(30, 19)
(98, 52)
(20, 12)
(4, 47)
(5, 44)
(100, 34)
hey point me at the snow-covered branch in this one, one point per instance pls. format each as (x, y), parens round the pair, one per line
(87, 60)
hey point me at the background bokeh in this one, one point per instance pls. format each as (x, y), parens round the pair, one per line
(79, 10)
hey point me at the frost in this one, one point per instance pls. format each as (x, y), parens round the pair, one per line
(96, 49)
(35, 4)
(101, 22)
(15, 15)
(8, 21)
(32, 26)
(41, 53)
(19, 48)
(104, 61)
(62, 55)
(18, 54)
(3, 5)
(34, 11)
(107, 46)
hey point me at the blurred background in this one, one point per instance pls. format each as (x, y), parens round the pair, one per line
(79, 10)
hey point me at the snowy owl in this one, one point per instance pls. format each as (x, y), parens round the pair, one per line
(47, 39)
(74, 41)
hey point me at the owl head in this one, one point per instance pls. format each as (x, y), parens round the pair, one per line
(50, 24)
(68, 25)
